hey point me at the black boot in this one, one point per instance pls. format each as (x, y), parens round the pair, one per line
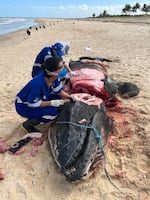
(28, 125)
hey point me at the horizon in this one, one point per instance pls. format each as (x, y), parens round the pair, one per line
(63, 9)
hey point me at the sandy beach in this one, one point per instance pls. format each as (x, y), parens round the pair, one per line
(128, 163)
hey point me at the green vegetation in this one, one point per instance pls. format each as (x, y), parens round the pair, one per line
(146, 8)
(127, 10)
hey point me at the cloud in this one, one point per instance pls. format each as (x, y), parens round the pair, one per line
(82, 10)
(61, 11)
(86, 11)
(62, 8)
(84, 7)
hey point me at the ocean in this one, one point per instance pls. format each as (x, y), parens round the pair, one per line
(8, 25)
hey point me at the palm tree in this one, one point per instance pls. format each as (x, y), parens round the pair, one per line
(127, 8)
(134, 9)
(124, 10)
(105, 13)
(146, 8)
(94, 15)
(137, 5)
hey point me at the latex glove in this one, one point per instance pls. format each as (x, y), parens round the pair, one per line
(67, 76)
(57, 103)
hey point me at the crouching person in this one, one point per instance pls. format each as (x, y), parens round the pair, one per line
(39, 100)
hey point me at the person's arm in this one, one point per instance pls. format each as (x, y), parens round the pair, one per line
(71, 73)
(64, 95)
(54, 103)
(45, 103)
(67, 67)
(65, 98)
(40, 57)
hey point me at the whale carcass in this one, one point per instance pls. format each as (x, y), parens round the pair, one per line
(78, 137)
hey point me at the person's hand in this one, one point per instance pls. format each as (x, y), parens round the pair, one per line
(57, 103)
(67, 76)
(72, 73)
(72, 98)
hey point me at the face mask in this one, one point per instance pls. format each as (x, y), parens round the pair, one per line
(51, 73)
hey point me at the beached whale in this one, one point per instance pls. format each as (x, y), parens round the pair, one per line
(91, 78)
(78, 137)
(82, 128)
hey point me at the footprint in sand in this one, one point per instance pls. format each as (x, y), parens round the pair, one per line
(119, 196)
(21, 190)
(94, 191)
(143, 194)
(129, 197)
(142, 164)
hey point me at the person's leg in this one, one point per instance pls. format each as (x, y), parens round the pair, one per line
(29, 125)
(42, 114)
(36, 115)
(46, 114)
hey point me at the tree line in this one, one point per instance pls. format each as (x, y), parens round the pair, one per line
(128, 9)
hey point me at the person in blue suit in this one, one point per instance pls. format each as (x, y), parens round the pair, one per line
(39, 100)
(57, 50)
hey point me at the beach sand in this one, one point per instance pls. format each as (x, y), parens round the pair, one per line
(38, 177)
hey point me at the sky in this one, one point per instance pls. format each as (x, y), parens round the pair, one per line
(61, 9)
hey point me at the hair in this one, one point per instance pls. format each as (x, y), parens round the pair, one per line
(51, 65)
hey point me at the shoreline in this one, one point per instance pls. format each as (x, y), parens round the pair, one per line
(18, 36)
(22, 34)
(13, 24)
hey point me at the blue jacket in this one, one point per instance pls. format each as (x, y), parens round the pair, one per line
(36, 91)
(44, 54)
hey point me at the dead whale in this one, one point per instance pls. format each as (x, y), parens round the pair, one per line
(77, 148)
(92, 79)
